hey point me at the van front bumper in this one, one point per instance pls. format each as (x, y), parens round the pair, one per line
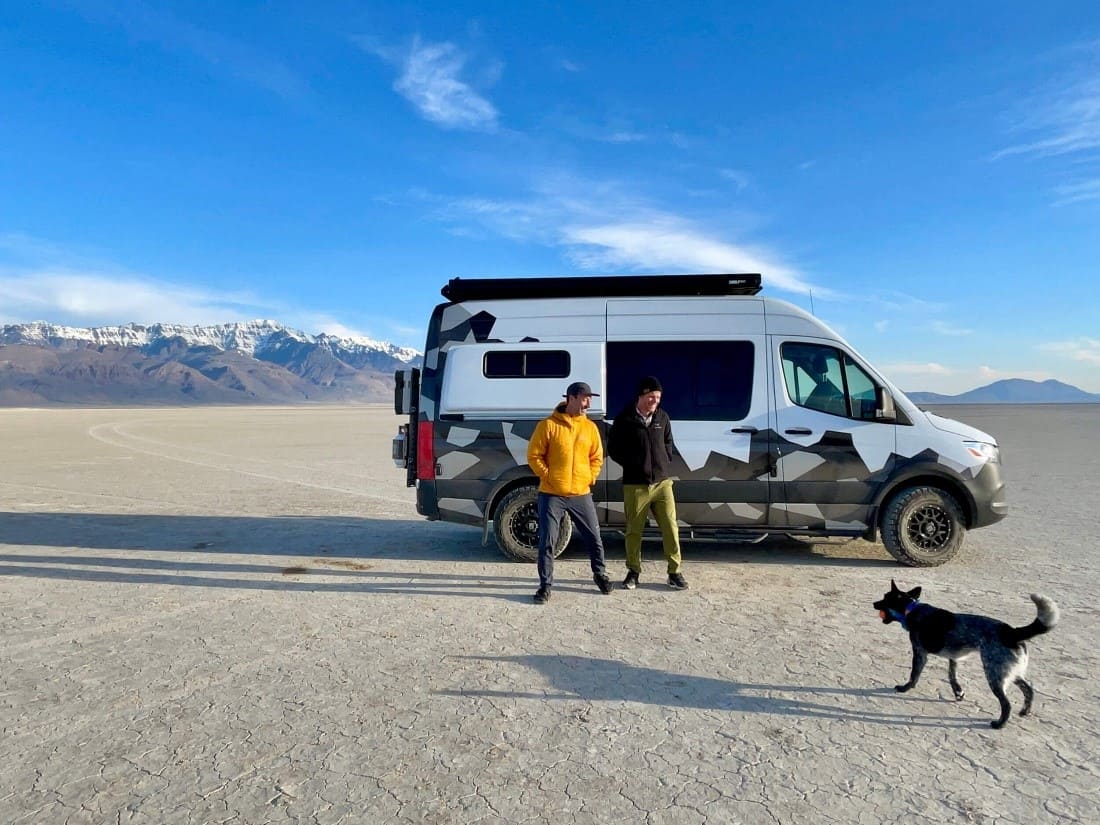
(987, 491)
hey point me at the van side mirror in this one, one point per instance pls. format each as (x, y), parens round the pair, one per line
(884, 405)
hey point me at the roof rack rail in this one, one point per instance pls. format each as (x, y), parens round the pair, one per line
(599, 286)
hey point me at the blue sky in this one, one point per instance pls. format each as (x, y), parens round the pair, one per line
(928, 172)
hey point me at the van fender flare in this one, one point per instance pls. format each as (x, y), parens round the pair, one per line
(929, 474)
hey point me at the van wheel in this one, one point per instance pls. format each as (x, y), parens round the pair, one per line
(516, 526)
(923, 527)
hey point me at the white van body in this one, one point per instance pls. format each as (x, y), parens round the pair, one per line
(780, 424)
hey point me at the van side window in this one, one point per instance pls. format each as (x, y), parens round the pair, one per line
(861, 390)
(526, 364)
(702, 380)
(825, 379)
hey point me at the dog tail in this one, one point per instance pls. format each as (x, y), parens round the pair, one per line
(1046, 619)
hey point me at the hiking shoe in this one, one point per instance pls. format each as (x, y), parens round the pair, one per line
(677, 581)
(604, 583)
(542, 595)
(631, 580)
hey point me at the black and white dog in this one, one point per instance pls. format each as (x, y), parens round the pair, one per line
(958, 635)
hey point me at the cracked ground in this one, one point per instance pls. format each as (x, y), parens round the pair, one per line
(235, 615)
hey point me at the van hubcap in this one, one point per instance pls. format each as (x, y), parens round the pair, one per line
(930, 527)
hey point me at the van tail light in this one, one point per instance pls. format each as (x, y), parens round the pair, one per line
(425, 451)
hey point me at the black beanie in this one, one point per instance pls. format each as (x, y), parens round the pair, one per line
(647, 385)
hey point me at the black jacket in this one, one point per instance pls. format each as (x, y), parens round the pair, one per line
(645, 453)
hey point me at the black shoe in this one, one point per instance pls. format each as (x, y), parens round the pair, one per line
(677, 582)
(604, 583)
(631, 580)
(542, 595)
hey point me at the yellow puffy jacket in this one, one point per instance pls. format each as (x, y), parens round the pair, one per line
(566, 453)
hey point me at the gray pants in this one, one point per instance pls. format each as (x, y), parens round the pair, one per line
(552, 509)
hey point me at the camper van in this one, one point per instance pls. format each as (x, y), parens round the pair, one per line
(782, 427)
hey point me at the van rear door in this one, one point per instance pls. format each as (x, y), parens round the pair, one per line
(711, 358)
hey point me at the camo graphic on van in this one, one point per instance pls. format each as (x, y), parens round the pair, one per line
(478, 460)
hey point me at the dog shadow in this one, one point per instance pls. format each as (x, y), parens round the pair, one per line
(572, 678)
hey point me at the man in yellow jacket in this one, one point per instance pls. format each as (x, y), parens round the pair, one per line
(566, 454)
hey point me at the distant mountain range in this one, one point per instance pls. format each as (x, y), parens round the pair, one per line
(265, 362)
(249, 362)
(1012, 391)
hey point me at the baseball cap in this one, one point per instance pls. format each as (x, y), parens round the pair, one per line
(579, 388)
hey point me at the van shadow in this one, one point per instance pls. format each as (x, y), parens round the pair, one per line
(362, 537)
(587, 679)
(334, 536)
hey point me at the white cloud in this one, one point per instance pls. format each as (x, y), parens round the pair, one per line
(944, 328)
(927, 369)
(598, 226)
(430, 80)
(1085, 190)
(740, 179)
(83, 298)
(1062, 121)
(1085, 350)
(665, 242)
(220, 54)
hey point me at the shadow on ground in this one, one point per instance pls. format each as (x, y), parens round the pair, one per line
(361, 537)
(573, 678)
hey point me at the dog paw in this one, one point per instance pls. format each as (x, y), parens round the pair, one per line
(902, 688)
(996, 724)
(959, 696)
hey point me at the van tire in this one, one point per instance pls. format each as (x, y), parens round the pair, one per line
(516, 526)
(923, 526)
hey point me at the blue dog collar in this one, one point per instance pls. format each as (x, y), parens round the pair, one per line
(901, 617)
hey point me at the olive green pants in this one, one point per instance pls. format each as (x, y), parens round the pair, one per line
(638, 501)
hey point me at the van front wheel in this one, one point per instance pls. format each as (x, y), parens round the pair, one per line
(923, 527)
(516, 526)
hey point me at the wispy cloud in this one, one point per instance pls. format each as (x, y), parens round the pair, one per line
(740, 179)
(1084, 190)
(1062, 121)
(944, 328)
(219, 53)
(1068, 122)
(430, 80)
(598, 226)
(1085, 350)
(89, 298)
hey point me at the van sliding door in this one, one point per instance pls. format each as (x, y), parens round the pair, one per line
(710, 357)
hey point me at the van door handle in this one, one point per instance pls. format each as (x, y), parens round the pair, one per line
(745, 430)
(799, 431)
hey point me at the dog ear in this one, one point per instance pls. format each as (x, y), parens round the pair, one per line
(893, 587)
(915, 593)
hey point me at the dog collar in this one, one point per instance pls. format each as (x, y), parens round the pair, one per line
(902, 616)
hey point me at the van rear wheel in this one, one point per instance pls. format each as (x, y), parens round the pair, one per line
(923, 527)
(516, 526)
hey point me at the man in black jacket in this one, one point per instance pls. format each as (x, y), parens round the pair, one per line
(641, 441)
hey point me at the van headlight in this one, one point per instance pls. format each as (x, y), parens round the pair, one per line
(980, 449)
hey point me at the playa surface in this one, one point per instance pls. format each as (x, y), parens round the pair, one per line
(235, 615)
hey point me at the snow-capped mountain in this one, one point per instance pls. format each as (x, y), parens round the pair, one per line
(255, 361)
(249, 337)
